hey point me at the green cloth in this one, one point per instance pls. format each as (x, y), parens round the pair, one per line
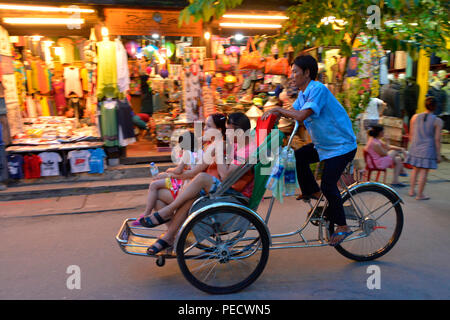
(262, 171)
(108, 123)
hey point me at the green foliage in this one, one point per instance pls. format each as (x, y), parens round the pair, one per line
(206, 9)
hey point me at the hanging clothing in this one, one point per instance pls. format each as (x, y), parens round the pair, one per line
(384, 71)
(97, 160)
(400, 60)
(125, 121)
(50, 164)
(79, 160)
(84, 79)
(15, 166)
(411, 96)
(109, 126)
(68, 51)
(60, 99)
(123, 73)
(44, 106)
(393, 96)
(107, 70)
(72, 82)
(32, 166)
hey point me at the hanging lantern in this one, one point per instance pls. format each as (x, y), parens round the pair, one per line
(164, 73)
(131, 47)
(170, 49)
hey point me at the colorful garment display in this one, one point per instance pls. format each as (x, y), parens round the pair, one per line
(123, 74)
(72, 82)
(15, 166)
(97, 160)
(50, 164)
(107, 70)
(109, 124)
(59, 94)
(79, 161)
(32, 166)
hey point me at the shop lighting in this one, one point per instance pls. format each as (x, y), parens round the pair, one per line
(44, 21)
(238, 37)
(58, 51)
(71, 9)
(207, 35)
(251, 16)
(250, 25)
(155, 36)
(105, 32)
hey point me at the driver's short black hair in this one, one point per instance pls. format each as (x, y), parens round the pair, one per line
(307, 62)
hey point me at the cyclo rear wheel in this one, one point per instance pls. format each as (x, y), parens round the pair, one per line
(380, 226)
(228, 252)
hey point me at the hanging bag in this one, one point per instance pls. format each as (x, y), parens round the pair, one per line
(278, 66)
(251, 60)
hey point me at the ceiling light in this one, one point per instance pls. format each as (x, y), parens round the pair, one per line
(44, 8)
(250, 25)
(207, 35)
(251, 16)
(155, 36)
(43, 21)
(238, 37)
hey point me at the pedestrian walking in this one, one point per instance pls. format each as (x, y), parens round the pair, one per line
(425, 149)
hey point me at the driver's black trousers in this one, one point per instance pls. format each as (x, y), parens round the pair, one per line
(332, 171)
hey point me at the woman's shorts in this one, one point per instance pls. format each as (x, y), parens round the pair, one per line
(215, 185)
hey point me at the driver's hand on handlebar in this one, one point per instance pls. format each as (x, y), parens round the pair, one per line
(270, 112)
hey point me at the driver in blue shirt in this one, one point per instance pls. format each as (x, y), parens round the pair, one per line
(333, 141)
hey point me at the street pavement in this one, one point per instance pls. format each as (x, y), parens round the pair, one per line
(42, 238)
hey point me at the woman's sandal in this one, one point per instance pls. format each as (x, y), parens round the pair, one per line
(153, 250)
(345, 234)
(137, 222)
(147, 222)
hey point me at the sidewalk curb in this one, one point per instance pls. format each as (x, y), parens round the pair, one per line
(68, 213)
(64, 192)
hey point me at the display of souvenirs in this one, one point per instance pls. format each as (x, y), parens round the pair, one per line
(48, 130)
(163, 134)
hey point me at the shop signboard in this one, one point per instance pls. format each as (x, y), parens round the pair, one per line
(146, 22)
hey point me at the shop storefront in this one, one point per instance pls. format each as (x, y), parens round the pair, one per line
(119, 87)
(49, 123)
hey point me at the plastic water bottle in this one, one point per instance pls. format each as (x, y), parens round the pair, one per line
(153, 169)
(277, 171)
(290, 179)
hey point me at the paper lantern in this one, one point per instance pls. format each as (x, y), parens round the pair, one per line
(164, 73)
(131, 47)
(171, 48)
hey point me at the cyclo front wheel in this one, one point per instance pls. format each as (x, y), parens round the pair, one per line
(380, 226)
(223, 250)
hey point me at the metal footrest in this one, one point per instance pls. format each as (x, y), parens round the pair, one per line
(136, 240)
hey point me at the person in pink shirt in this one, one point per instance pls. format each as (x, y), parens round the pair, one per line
(385, 155)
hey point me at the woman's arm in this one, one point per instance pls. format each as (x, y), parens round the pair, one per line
(190, 174)
(380, 150)
(178, 169)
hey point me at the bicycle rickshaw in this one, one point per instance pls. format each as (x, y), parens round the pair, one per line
(223, 246)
